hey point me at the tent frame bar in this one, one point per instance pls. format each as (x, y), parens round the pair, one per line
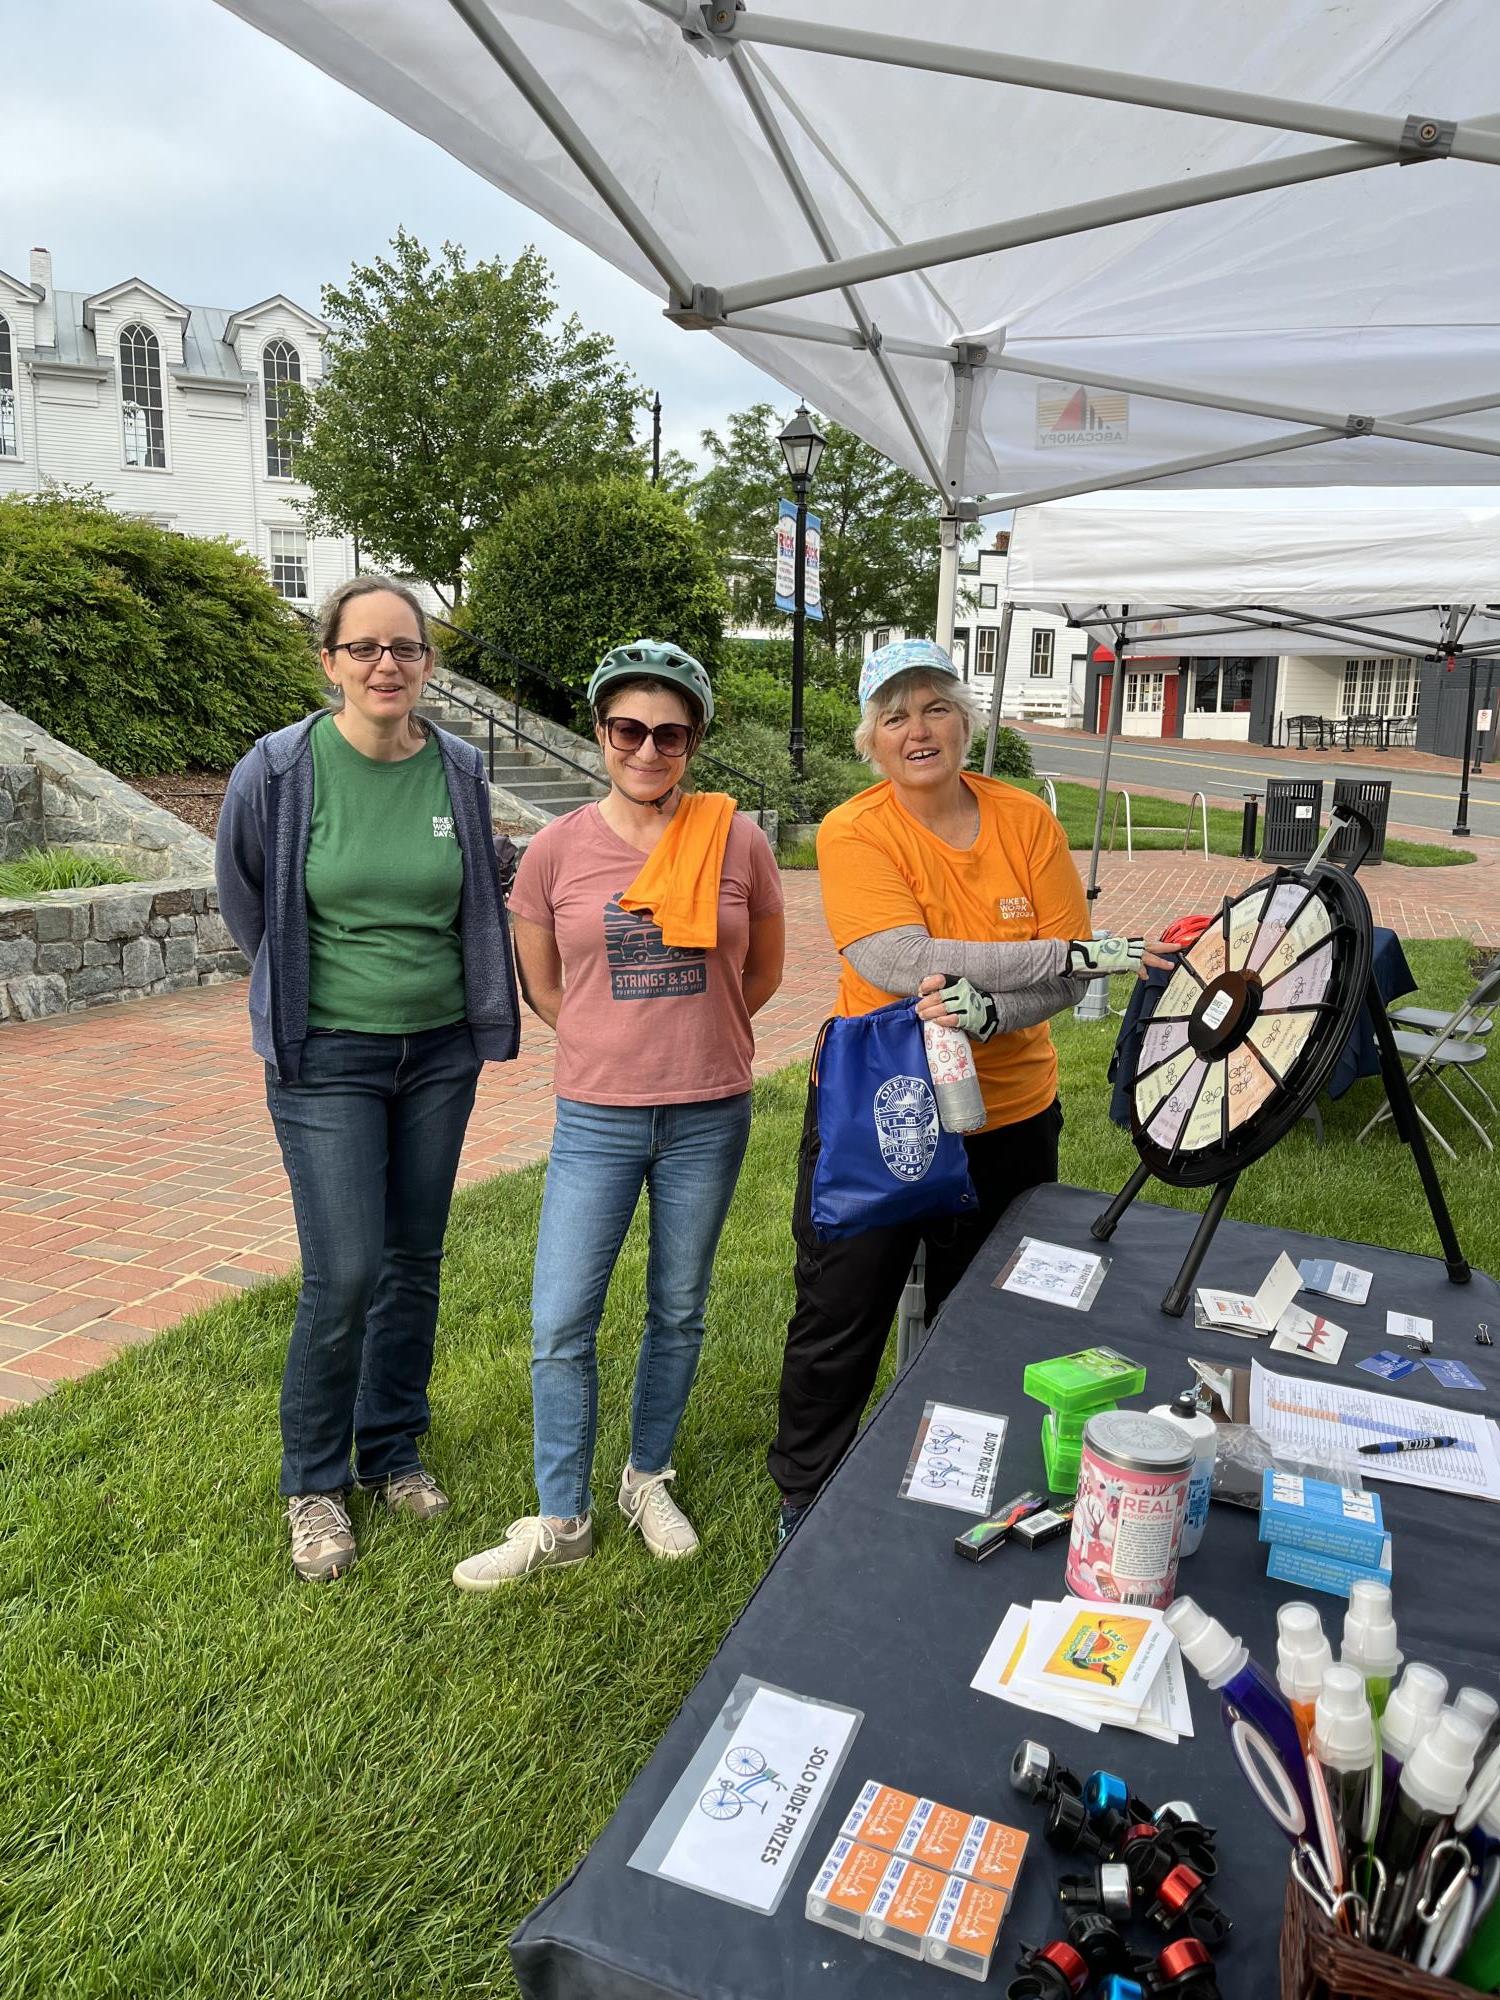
(1418, 136)
(1357, 637)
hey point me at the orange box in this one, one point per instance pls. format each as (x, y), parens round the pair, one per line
(903, 1908)
(966, 1927)
(992, 1854)
(845, 1886)
(934, 1835)
(879, 1815)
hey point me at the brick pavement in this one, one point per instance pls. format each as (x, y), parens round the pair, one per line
(140, 1180)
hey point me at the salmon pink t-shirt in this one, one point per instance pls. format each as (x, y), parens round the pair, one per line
(642, 1022)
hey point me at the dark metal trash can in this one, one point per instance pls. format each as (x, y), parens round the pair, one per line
(1372, 797)
(1294, 813)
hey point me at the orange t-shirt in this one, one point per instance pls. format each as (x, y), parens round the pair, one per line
(880, 870)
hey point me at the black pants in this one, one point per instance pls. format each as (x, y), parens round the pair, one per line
(848, 1292)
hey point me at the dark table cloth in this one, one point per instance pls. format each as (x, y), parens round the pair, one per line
(1359, 1056)
(867, 1605)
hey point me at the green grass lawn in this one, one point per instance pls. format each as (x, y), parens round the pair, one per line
(47, 868)
(1076, 805)
(220, 1782)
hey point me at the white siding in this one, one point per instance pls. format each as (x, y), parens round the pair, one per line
(1309, 685)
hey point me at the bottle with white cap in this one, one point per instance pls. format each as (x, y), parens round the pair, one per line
(1262, 1730)
(1184, 1411)
(1302, 1654)
(1370, 1639)
(1434, 1779)
(1483, 1709)
(1344, 1744)
(1413, 1708)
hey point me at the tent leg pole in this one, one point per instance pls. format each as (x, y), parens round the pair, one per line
(947, 601)
(997, 692)
(1116, 710)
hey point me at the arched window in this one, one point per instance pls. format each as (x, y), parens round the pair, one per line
(280, 365)
(140, 397)
(10, 446)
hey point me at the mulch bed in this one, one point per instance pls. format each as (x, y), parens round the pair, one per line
(196, 796)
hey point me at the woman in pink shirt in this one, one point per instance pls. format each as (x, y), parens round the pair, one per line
(654, 1048)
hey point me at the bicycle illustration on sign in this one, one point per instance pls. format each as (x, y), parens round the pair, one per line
(749, 1774)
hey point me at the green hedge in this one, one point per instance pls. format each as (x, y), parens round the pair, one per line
(147, 651)
(760, 749)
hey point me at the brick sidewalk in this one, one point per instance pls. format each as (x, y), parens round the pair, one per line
(140, 1181)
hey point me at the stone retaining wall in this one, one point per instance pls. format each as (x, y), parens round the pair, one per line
(21, 824)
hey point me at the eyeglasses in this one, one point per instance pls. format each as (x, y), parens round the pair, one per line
(672, 739)
(405, 652)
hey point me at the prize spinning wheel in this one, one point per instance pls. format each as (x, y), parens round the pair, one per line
(1246, 1035)
(1250, 1026)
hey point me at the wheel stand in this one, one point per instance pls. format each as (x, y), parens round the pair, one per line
(1408, 1125)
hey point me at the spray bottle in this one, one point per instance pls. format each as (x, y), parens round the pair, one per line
(1262, 1729)
(1184, 1411)
(1370, 1639)
(1483, 1709)
(1302, 1653)
(1434, 1779)
(1411, 1711)
(1344, 1744)
(955, 1081)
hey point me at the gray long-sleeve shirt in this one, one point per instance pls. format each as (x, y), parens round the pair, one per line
(1026, 978)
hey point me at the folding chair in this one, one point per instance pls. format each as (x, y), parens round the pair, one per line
(1455, 1047)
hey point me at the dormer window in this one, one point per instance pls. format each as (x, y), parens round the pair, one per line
(10, 444)
(142, 416)
(281, 366)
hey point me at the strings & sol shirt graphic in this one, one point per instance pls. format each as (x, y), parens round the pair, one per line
(643, 1022)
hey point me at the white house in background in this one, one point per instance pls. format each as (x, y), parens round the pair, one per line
(1047, 659)
(170, 411)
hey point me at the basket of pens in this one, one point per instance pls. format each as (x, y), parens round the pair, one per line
(1321, 1961)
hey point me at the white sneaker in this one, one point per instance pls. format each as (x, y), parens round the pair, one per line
(647, 1505)
(532, 1543)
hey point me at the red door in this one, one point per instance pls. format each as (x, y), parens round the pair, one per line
(1171, 698)
(1106, 686)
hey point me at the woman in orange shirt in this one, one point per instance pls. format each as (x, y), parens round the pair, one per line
(939, 883)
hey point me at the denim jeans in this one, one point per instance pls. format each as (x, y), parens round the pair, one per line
(688, 1158)
(370, 1134)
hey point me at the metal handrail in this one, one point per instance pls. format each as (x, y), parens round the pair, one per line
(556, 681)
(445, 692)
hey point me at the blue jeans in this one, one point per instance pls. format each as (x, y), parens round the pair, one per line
(688, 1157)
(370, 1134)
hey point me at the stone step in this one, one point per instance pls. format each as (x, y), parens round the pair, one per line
(546, 784)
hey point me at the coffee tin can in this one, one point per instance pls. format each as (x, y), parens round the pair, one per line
(1133, 1477)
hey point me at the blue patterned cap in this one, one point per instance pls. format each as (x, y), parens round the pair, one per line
(902, 656)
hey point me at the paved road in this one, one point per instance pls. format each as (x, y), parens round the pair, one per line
(1418, 798)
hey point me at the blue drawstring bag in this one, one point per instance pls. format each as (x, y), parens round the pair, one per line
(883, 1156)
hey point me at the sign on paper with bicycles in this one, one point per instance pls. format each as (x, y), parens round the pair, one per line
(955, 1458)
(737, 1820)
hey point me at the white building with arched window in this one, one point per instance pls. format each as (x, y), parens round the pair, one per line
(174, 413)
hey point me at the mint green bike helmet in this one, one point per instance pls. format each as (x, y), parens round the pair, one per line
(657, 660)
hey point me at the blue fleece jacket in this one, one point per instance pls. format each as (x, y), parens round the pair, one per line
(259, 855)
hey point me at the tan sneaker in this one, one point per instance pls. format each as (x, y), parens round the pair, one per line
(416, 1493)
(647, 1505)
(322, 1537)
(530, 1544)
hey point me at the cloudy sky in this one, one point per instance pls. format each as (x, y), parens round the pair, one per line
(166, 139)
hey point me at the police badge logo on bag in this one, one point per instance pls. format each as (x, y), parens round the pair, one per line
(906, 1124)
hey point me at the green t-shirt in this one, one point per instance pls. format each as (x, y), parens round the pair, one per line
(384, 878)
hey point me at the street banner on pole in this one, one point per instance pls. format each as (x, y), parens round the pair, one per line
(786, 561)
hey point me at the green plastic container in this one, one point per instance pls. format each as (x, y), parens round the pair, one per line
(1074, 1388)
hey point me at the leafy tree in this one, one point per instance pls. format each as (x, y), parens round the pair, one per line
(572, 571)
(449, 391)
(145, 650)
(880, 544)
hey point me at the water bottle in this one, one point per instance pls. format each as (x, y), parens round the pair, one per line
(955, 1081)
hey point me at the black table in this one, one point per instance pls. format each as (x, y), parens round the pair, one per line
(867, 1605)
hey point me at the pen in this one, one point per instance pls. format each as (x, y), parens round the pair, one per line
(1408, 1444)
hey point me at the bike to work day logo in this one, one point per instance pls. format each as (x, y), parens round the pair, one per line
(1081, 416)
(906, 1125)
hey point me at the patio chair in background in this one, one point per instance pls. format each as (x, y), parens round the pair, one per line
(1455, 1048)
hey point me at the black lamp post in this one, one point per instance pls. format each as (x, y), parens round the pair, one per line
(802, 446)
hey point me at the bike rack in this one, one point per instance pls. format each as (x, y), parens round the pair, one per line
(1197, 800)
(1049, 790)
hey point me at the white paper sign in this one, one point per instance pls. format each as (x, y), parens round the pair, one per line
(955, 1458)
(741, 1835)
(1335, 1281)
(1309, 1334)
(1052, 1271)
(1409, 1326)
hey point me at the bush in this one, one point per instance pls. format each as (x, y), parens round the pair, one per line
(47, 868)
(820, 668)
(148, 651)
(759, 748)
(1012, 752)
(756, 695)
(573, 570)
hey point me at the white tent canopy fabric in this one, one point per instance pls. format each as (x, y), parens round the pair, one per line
(1260, 573)
(1044, 249)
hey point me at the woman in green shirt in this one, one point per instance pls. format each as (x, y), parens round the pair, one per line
(357, 870)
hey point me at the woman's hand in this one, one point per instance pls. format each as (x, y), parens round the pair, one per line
(1157, 957)
(929, 1006)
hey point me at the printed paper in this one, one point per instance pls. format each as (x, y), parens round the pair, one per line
(1310, 1335)
(1408, 1326)
(1389, 1365)
(1053, 1272)
(955, 1458)
(1335, 1281)
(1327, 1421)
(1452, 1374)
(1260, 1314)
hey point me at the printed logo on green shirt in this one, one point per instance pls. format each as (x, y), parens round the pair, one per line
(442, 826)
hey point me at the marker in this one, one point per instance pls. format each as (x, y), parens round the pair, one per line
(1407, 1444)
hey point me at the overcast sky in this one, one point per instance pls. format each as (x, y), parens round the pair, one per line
(165, 139)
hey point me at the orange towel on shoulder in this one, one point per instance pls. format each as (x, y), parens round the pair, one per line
(679, 883)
